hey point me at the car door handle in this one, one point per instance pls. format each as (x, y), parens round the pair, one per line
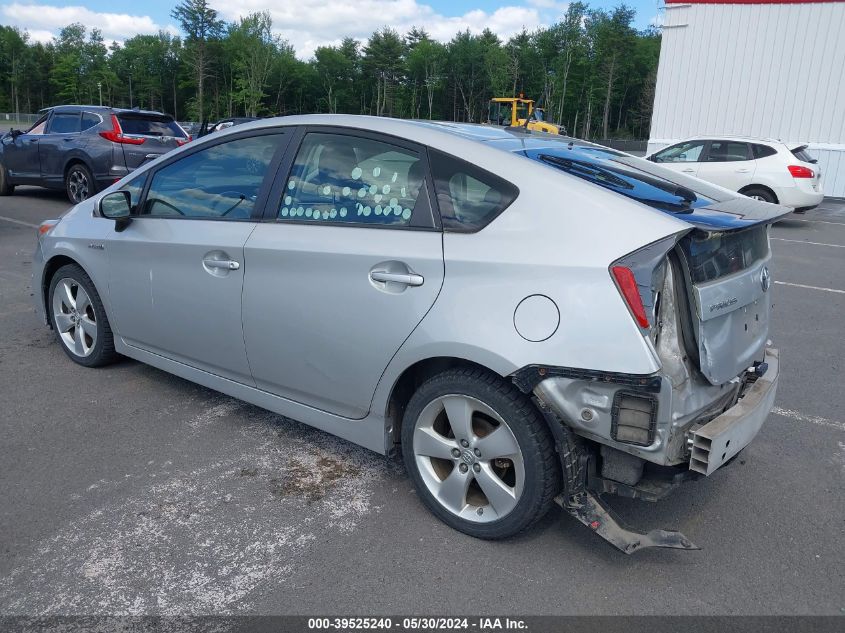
(742, 171)
(688, 170)
(409, 279)
(225, 264)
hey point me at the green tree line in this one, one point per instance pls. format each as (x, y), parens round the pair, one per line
(593, 71)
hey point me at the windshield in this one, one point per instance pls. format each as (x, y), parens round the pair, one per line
(624, 174)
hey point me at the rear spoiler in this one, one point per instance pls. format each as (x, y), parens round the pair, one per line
(801, 148)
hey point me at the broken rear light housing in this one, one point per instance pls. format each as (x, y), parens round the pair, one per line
(627, 284)
(633, 418)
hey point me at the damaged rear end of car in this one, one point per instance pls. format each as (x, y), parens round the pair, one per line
(701, 300)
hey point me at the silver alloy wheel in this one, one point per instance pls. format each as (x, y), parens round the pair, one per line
(758, 198)
(74, 316)
(468, 458)
(77, 184)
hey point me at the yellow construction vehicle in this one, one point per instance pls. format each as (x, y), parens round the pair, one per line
(514, 111)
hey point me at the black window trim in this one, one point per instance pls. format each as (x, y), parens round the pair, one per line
(427, 222)
(263, 190)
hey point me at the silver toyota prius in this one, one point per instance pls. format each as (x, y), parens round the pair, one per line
(527, 318)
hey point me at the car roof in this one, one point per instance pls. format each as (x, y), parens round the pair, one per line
(734, 137)
(98, 108)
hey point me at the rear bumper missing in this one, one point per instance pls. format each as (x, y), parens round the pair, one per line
(716, 442)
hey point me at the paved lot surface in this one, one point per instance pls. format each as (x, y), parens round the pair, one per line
(127, 490)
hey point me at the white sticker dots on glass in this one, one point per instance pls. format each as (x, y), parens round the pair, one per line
(291, 184)
(327, 190)
(377, 172)
(406, 214)
(356, 173)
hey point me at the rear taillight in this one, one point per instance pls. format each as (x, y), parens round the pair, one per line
(799, 171)
(624, 277)
(115, 135)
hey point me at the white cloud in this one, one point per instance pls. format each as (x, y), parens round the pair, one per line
(44, 21)
(320, 22)
(306, 25)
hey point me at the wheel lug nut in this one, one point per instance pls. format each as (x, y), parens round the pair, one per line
(476, 468)
(477, 453)
(456, 452)
(464, 443)
(463, 468)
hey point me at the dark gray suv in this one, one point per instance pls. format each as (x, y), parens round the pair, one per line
(84, 148)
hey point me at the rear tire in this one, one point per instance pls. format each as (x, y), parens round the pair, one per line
(79, 184)
(6, 188)
(79, 318)
(759, 193)
(479, 453)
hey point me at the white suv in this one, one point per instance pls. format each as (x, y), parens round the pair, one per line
(763, 169)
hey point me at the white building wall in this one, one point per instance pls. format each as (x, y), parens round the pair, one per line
(767, 70)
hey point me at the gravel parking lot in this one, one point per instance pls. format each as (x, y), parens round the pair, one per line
(127, 490)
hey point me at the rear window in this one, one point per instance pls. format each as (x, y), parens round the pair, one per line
(762, 151)
(468, 196)
(624, 174)
(716, 255)
(147, 125)
(801, 154)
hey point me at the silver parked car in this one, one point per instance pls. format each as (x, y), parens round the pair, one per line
(528, 318)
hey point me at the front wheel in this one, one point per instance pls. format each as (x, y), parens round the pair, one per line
(479, 453)
(79, 183)
(79, 319)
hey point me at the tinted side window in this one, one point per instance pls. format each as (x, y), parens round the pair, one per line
(89, 120)
(64, 123)
(354, 180)
(221, 181)
(469, 197)
(727, 151)
(761, 151)
(689, 152)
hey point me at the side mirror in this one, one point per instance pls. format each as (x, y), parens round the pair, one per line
(15, 133)
(117, 206)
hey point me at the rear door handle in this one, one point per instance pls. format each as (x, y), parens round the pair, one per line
(742, 171)
(225, 264)
(688, 171)
(409, 279)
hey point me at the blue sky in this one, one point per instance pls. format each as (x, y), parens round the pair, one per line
(308, 23)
